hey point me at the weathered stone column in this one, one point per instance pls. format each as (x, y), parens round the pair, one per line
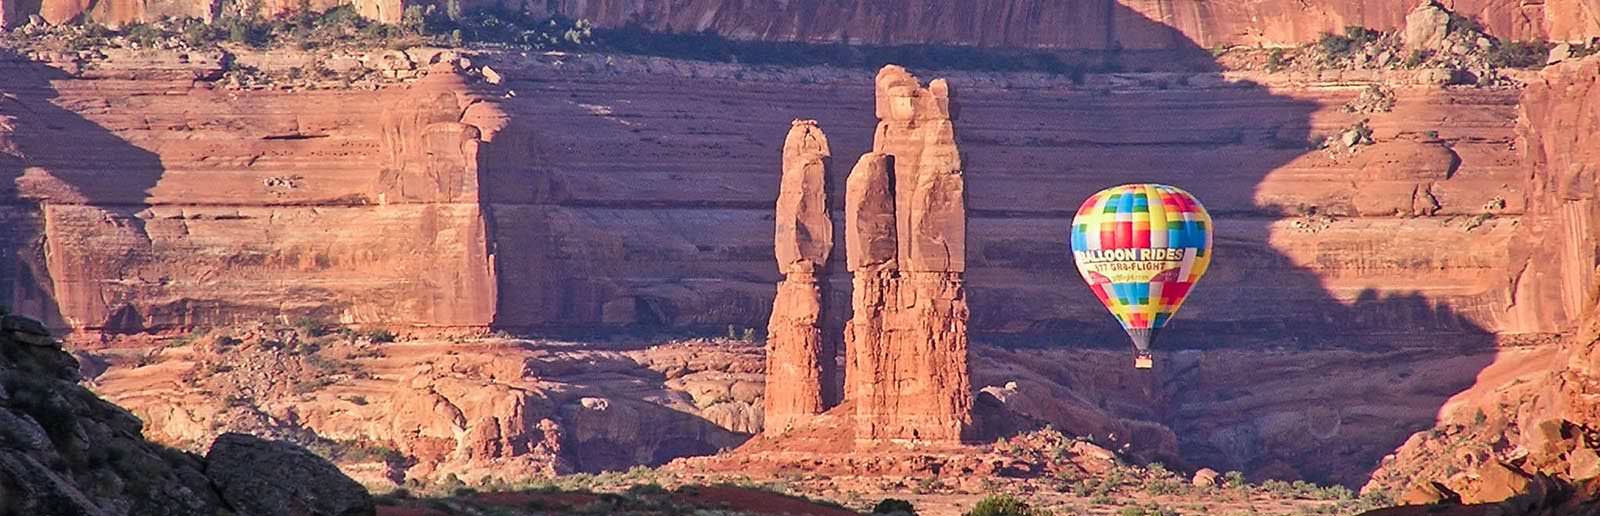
(906, 343)
(801, 363)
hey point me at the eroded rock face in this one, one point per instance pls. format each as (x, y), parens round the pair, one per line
(1074, 25)
(1515, 437)
(1009, 23)
(801, 360)
(427, 410)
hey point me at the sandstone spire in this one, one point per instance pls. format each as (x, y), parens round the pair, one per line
(906, 342)
(801, 364)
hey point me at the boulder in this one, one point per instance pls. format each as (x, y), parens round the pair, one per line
(275, 478)
(1427, 493)
(1496, 482)
(491, 76)
(1206, 477)
(1583, 464)
(1427, 26)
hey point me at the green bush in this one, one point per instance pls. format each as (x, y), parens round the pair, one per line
(1275, 60)
(1336, 46)
(1149, 510)
(1519, 54)
(1459, 23)
(894, 506)
(1004, 505)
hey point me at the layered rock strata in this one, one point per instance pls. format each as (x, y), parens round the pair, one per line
(1121, 24)
(802, 365)
(1543, 424)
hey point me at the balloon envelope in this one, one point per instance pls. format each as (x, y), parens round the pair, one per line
(1141, 248)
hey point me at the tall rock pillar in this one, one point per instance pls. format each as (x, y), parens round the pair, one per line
(801, 363)
(905, 231)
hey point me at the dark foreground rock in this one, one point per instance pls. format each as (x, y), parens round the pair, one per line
(66, 452)
(275, 478)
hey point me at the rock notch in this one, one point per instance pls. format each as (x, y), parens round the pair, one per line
(801, 363)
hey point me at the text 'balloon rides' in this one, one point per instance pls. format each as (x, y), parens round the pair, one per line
(1141, 248)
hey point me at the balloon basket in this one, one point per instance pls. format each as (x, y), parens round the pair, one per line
(1143, 361)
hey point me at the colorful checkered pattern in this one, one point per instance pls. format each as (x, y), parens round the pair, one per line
(1143, 289)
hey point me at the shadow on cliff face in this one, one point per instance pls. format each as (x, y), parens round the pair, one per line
(1323, 420)
(57, 166)
(670, 224)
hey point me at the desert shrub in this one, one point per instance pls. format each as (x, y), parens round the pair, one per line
(1336, 46)
(1519, 54)
(381, 336)
(1234, 480)
(1459, 23)
(1278, 488)
(144, 34)
(894, 506)
(1148, 510)
(1416, 58)
(1004, 505)
(38, 398)
(1275, 61)
(312, 326)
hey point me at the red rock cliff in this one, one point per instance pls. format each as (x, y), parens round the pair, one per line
(1073, 24)
(1045, 24)
(1562, 138)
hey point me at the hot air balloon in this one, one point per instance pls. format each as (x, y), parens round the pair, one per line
(1141, 248)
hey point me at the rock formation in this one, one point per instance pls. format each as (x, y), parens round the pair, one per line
(424, 411)
(1075, 25)
(801, 362)
(272, 478)
(906, 342)
(1513, 438)
(906, 375)
(1008, 23)
(66, 452)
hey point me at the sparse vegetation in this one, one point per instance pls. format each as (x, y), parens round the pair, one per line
(1416, 58)
(381, 336)
(1153, 509)
(1338, 46)
(1519, 54)
(1275, 60)
(1004, 505)
(894, 506)
(1234, 480)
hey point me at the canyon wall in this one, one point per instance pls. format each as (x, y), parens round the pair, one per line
(143, 212)
(1059, 25)
(1304, 230)
(639, 201)
(1541, 420)
(1073, 25)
